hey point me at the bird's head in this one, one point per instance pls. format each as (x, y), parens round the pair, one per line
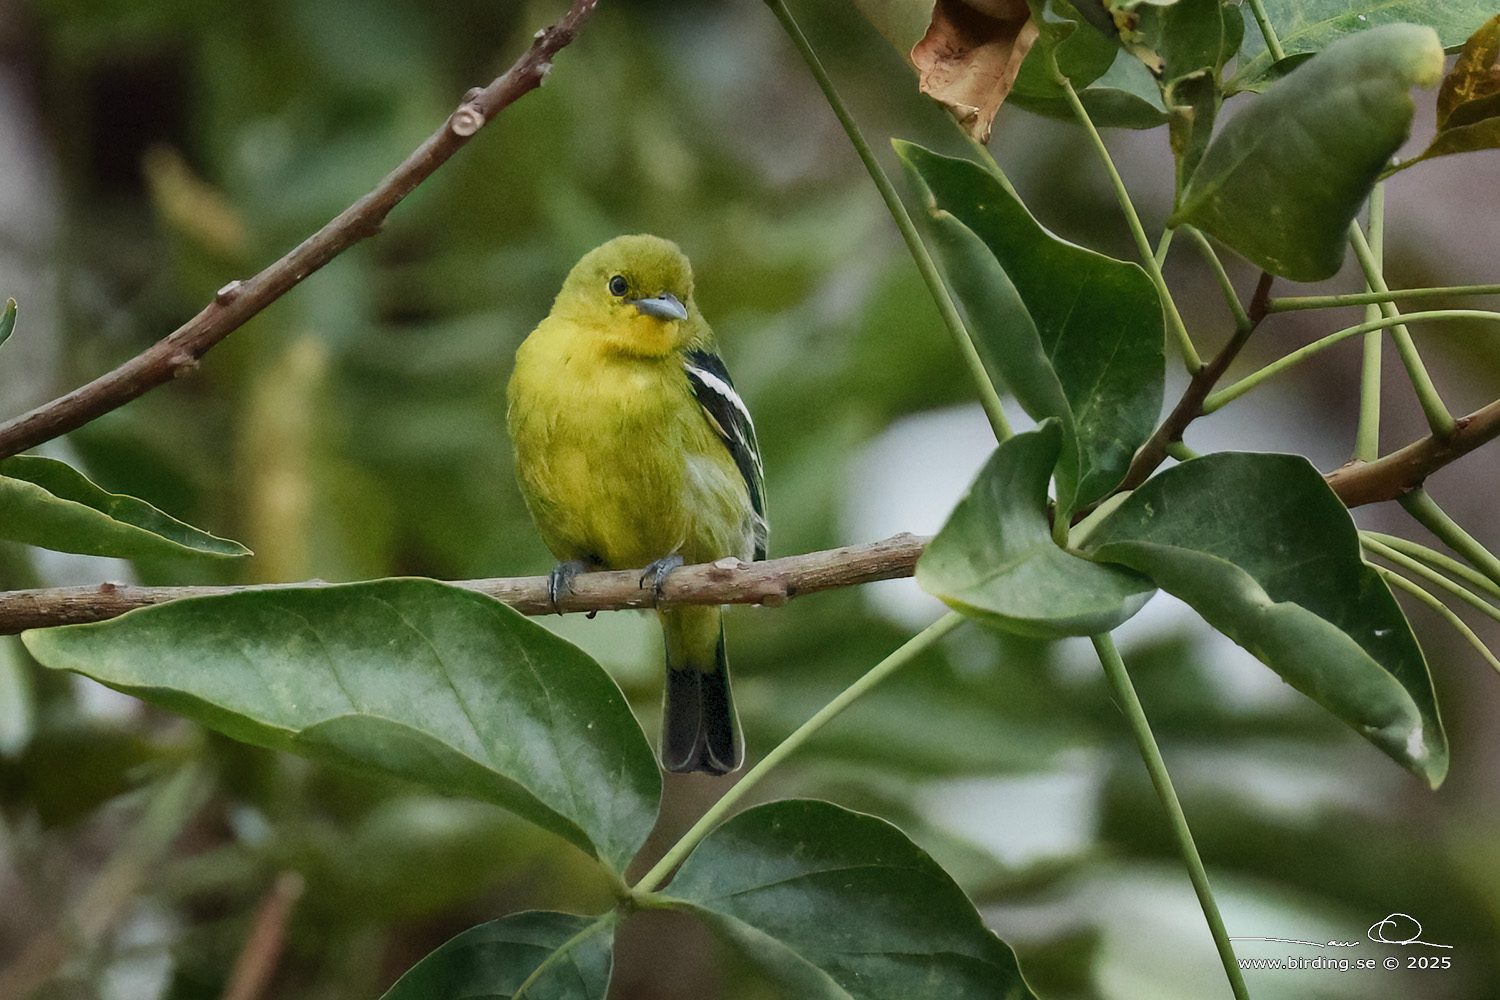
(637, 292)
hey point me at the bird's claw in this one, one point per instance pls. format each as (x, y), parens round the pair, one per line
(560, 581)
(658, 572)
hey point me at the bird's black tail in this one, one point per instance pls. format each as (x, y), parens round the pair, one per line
(700, 730)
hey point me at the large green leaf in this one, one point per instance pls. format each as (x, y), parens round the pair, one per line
(495, 959)
(1075, 334)
(49, 504)
(1265, 552)
(1283, 179)
(830, 903)
(1304, 26)
(995, 559)
(436, 684)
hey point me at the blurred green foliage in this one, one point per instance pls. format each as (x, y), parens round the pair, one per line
(356, 430)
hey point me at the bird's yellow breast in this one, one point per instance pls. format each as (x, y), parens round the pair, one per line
(615, 458)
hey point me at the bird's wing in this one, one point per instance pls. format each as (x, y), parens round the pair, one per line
(727, 412)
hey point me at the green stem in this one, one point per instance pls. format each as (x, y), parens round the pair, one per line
(1162, 246)
(907, 652)
(1432, 517)
(1244, 385)
(1391, 577)
(1296, 302)
(1143, 244)
(1242, 319)
(1438, 561)
(1367, 432)
(1181, 451)
(1119, 680)
(1438, 418)
(1432, 576)
(988, 397)
(1273, 44)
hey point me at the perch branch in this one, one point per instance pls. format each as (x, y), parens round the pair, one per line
(728, 581)
(179, 352)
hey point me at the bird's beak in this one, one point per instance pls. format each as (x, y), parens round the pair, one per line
(663, 306)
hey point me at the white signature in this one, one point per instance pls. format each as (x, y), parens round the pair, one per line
(1391, 929)
(1381, 929)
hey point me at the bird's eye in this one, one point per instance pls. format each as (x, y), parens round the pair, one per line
(618, 286)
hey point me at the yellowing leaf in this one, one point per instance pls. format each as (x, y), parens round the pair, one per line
(1468, 103)
(969, 58)
(1475, 77)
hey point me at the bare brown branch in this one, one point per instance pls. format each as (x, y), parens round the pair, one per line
(773, 583)
(1402, 471)
(180, 351)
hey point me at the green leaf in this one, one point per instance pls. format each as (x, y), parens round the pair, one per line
(1123, 95)
(832, 903)
(1468, 103)
(1075, 334)
(429, 682)
(1283, 179)
(1304, 26)
(8, 320)
(1195, 106)
(1194, 38)
(995, 559)
(47, 503)
(1005, 336)
(1115, 88)
(1265, 552)
(495, 959)
(1083, 54)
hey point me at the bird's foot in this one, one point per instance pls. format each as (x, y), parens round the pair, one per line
(658, 572)
(560, 580)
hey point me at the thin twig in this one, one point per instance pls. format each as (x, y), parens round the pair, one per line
(1190, 406)
(1292, 303)
(728, 581)
(179, 352)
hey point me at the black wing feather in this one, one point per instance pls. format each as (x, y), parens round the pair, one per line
(715, 392)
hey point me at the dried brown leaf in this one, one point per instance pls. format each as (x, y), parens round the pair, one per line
(969, 58)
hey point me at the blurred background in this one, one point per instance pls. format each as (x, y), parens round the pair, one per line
(151, 152)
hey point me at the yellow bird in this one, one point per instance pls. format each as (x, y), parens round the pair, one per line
(634, 450)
